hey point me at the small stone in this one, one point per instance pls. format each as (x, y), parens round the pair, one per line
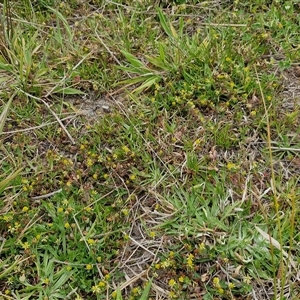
(106, 108)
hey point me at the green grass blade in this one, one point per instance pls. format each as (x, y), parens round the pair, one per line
(167, 26)
(148, 83)
(64, 21)
(67, 91)
(146, 291)
(157, 62)
(5, 66)
(163, 22)
(6, 268)
(119, 295)
(162, 54)
(4, 113)
(61, 281)
(132, 59)
(8, 179)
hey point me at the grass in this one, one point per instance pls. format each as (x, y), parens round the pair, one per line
(149, 150)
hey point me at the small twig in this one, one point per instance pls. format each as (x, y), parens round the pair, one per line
(29, 224)
(221, 24)
(53, 113)
(91, 204)
(64, 78)
(59, 121)
(34, 127)
(133, 279)
(245, 189)
(285, 149)
(109, 51)
(46, 195)
(140, 245)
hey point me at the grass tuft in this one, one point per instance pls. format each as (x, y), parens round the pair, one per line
(149, 150)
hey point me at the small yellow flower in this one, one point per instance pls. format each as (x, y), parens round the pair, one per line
(132, 177)
(95, 176)
(7, 218)
(126, 149)
(46, 281)
(25, 245)
(91, 241)
(157, 266)
(264, 35)
(152, 234)
(67, 225)
(89, 162)
(88, 209)
(135, 291)
(125, 212)
(247, 279)
(197, 142)
(231, 285)
(201, 247)
(25, 209)
(69, 183)
(190, 260)
(172, 282)
(216, 282)
(65, 162)
(166, 263)
(114, 294)
(191, 104)
(102, 284)
(65, 202)
(171, 254)
(96, 289)
(232, 166)
(181, 279)
(89, 267)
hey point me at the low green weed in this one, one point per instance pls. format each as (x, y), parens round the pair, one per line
(190, 179)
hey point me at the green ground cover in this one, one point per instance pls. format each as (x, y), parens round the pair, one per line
(149, 149)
